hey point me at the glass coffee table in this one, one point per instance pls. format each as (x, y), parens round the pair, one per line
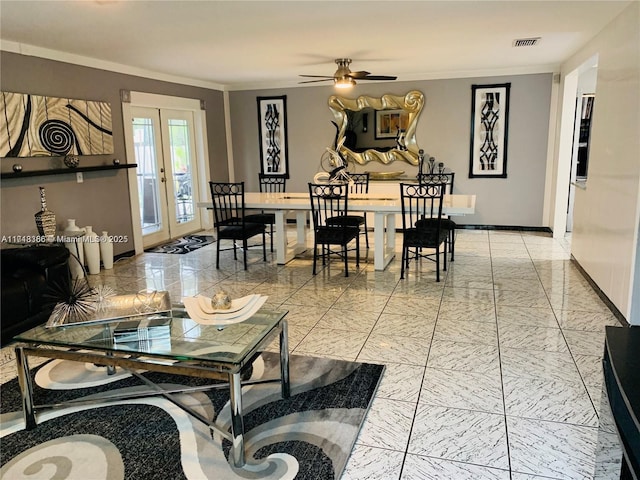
(192, 349)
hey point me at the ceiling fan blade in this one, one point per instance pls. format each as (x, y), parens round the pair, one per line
(321, 80)
(378, 77)
(317, 76)
(360, 74)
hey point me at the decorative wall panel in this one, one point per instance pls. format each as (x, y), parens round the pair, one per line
(33, 125)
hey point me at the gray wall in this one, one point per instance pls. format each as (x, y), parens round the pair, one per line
(443, 131)
(103, 199)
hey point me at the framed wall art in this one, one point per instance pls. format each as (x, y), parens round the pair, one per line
(489, 130)
(389, 122)
(272, 129)
(33, 125)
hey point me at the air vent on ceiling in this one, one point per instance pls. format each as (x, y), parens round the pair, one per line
(526, 42)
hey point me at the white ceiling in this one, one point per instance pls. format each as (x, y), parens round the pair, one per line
(234, 45)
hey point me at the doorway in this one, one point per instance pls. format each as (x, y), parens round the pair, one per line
(164, 150)
(576, 82)
(166, 137)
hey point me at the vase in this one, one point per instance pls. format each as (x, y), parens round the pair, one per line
(74, 243)
(106, 251)
(45, 219)
(92, 250)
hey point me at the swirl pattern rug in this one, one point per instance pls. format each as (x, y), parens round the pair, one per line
(182, 245)
(308, 436)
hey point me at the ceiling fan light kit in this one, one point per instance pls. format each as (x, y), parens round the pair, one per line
(344, 77)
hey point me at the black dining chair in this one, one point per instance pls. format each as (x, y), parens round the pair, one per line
(359, 183)
(268, 184)
(230, 221)
(329, 202)
(436, 179)
(422, 225)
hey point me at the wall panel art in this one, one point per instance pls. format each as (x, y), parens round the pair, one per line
(489, 129)
(272, 129)
(33, 125)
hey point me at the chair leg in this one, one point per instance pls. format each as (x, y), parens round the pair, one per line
(315, 256)
(445, 256)
(452, 242)
(235, 250)
(346, 261)
(218, 253)
(366, 231)
(244, 252)
(437, 263)
(264, 245)
(358, 250)
(271, 237)
(402, 264)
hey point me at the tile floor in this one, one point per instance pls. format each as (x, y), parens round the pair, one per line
(493, 373)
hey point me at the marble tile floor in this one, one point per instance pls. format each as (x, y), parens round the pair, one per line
(495, 372)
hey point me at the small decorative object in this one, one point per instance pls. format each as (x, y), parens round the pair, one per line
(432, 162)
(92, 250)
(116, 161)
(221, 301)
(440, 168)
(104, 294)
(420, 162)
(106, 251)
(74, 243)
(45, 219)
(77, 301)
(17, 167)
(71, 160)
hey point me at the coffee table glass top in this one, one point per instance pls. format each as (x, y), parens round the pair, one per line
(188, 339)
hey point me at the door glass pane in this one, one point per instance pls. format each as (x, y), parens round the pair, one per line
(181, 168)
(145, 155)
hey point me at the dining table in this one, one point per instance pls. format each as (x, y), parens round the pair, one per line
(384, 208)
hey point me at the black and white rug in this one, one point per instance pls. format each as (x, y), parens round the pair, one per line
(186, 244)
(308, 436)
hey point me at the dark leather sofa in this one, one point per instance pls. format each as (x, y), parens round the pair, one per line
(28, 274)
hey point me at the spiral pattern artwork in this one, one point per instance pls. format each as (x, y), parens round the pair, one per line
(34, 126)
(56, 136)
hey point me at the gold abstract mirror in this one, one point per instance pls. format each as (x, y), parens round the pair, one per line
(378, 128)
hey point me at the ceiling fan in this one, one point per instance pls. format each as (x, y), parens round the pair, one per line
(344, 77)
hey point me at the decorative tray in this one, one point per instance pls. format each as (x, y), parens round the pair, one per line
(383, 175)
(116, 307)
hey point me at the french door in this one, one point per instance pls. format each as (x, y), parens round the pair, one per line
(164, 148)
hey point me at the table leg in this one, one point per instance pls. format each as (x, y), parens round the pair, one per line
(284, 360)
(384, 231)
(282, 256)
(237, 422)
(26, 389)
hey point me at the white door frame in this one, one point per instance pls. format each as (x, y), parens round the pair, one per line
(141, 99)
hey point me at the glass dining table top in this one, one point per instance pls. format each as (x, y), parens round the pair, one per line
(188, 340)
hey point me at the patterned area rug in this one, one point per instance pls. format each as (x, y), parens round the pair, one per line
(186, 244)
(308, 436)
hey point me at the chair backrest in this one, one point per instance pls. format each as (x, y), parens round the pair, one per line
(420, 201)
(359, 183)
(438, 178)
(327, 200)
(228, 203)
(272, 183)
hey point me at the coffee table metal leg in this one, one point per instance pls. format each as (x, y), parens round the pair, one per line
(26, 389)
(284, 360)
(237, 422)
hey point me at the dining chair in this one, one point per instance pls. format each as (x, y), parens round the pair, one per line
(359, 183)
(268, 184)
(422, 225)
(436, 179)
(328, 203)
(230, 221)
